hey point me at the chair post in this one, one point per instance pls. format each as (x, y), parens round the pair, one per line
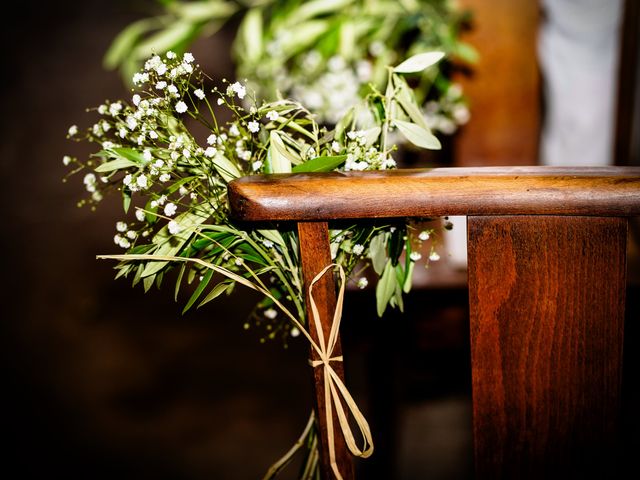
(547, 313)
(315, 255)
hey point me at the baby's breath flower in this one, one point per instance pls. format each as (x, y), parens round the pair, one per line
(161, 85)
(267, 243)
(73, 130)
(140, 215)
(164, 178)
(170, 209)
(147, 155)
(183, 190)
(186, 153)
(272, 115)
(415, 256)
(295, 332)
(153, 135)
(270, 313)
(424, 235)
(136, 99)
(181, 107)
(142, 181)
(171, 55)
(358, 249)
(132, 123)
(172, 89)
(210, 152)
(188, 57)
(253, 126)
(107, 145)
(121, 227)
(362, 283)
(256, 165)
(233, 130)
(335, 146)
(102, 109)
(66, 160)
(199, 93)
(131, 234)
(238, 89)
(220, 101)
(115, 108)
(140, 78)
(238, 261)
(434, 257)
(127, 179)
(173, 227)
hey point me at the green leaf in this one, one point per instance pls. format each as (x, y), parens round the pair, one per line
(405, 97)
(274, 236)
(203, 11)
(408, 281)
(117, 164)
(130, 154)
(316, 8)
(198, 291)
(320, 164)
(125, 41)
(419, 62)
(301, 36)
(176, 33)
(126, 199)
(226, 168)
(279, 158)
(183, 267)
(215, 292)
(378, 252)
(248, 44)
(417, 135)
(170, 245)
(385, 288)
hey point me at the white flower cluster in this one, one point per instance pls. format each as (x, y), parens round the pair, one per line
(361, 156)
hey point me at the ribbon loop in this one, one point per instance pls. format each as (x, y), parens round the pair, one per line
(335, 390)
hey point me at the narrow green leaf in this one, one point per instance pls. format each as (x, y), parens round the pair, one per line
(203, 11)
(248, 44)
(123, 44)
(183, 267)
(407, 100)
(227, 169)
(215, 292)
(198, 291)
(378, 252)
(279, 158)
(320, 164)
(274, 236)
(385, 288)
(126, 199)
(118, 164)
(419, 62)
(175, 34)
(418, 135)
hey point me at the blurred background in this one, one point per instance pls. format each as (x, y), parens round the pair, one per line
(103, 381)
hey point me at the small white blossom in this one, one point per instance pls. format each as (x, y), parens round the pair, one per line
(181, 107)
(136, 99)
(161, 69)
(358, 249)
(147, 155)
(131, 234)
(237, 88)
(102, 109)
(210, 152)
(73, 130)
(153, 135)
(115, 108)
(140, 215)
(171, 55)
(186, 153)
(161, 85)
(434, 257)
(188, 57)
(107, 145)
(66, 160)
(233, 130)
(362, 283)
(424, 235)
(121, 227)
(267, 243)
(256, 165)
(172, 89)
(199, 93)
(185, 67)
(415, 256)
(220, 101)
(127, 179)
(211, 139)
(173, 227)
(165, 177)
(271, 313)
(132, 123)
(238, 261)
(170, 209)
(183, 190)
(253, 126)
(142, 181)
(272, 115)
(335, 146)
(295, 332)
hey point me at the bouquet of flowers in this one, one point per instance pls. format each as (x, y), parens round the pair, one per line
(172, 175)
(323, 53)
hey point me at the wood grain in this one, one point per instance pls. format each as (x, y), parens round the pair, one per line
(504, 128)
(547, 306)
(605, 191)
(315, 256)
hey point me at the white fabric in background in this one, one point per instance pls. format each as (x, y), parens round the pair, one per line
(578, 56)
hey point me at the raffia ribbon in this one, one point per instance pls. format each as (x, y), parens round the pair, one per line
(335, 391)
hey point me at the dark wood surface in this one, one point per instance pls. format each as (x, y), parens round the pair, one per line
(503, 87)
(315, 256)
(605, 191)
(547, 307)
